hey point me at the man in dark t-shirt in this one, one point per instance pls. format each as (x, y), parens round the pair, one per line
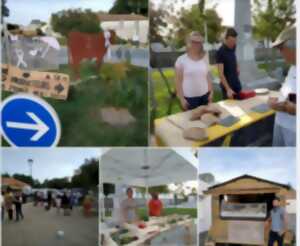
(228, 67)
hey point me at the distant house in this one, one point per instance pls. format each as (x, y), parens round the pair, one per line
(14, 184)
(129, 27)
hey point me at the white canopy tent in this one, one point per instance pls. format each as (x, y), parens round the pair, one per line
(143, 167)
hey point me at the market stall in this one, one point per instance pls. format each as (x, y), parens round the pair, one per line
(146, 168)
(240, 208)
(249, 122)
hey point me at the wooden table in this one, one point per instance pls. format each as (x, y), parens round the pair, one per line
(169, 129)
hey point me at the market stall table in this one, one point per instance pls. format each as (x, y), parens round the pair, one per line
(169, 129)
(154, 227)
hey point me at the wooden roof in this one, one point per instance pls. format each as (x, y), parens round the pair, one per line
(14, 183)
(242, 187)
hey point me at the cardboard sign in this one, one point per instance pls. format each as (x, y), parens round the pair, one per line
(88, 46)
(43, 84)
(31, 53)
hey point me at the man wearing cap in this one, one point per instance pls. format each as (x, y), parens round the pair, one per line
(227, 65)
(285, 105)
(277, 222)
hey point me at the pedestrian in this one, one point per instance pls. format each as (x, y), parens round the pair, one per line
(284, 133)
(88, 204)
(49, 200)
(228, 66)
(58, 203)
(2, 205)
(65, 204)
(35, 199)
(193, 78)
(278, 223)
(8, 202)
(18, 201)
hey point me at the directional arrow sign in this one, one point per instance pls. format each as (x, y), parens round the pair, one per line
(29, 121)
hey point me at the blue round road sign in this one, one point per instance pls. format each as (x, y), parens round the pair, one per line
(29, 121)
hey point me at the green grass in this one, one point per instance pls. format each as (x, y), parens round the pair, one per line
(161, 94)
(142, 212)
(80, 113)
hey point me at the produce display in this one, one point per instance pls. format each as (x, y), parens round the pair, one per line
(138, 234)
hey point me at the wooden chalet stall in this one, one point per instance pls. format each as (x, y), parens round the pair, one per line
(240, 208)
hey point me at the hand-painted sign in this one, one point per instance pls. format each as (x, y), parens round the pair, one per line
(43, 84)
(85, 45)
(31, 53)
(29, 121)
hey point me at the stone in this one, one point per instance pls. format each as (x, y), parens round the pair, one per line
(117, 117)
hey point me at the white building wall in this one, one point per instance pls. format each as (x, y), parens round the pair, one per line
(128, 30)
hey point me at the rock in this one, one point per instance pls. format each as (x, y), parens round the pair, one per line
(117, 117)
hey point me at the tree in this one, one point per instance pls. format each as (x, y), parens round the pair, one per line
(88, 175)
(270, 18)
(5, 175)
(129, 7)
(193, 20)
(80, 20)
(155, 189)
(157, 23)
(201, 6)
(4, 10)
(57, 183)
(24, 178)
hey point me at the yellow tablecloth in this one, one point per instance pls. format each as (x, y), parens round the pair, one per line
(168, 130)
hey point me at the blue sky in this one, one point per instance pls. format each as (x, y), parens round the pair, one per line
(47, 163)
(23, 11)
(275, 164)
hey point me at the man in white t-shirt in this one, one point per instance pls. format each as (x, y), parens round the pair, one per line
(285, 120)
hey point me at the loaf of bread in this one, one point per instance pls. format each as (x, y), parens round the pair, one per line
(195, 134)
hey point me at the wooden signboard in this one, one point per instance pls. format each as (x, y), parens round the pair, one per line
(43, 84)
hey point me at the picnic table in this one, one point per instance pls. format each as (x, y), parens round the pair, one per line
(169, 129)
(154, 227)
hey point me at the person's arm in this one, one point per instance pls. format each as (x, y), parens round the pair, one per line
(290, 108)
(210, 87)
(230, 93)
(286, 106)
(179, 89)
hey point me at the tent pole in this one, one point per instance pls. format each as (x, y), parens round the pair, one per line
(147, 192)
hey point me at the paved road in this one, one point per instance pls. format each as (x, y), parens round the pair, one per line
(39, 228)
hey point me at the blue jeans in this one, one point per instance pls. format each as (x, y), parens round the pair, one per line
(283, 136)
(195, 102)
(275, 237)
